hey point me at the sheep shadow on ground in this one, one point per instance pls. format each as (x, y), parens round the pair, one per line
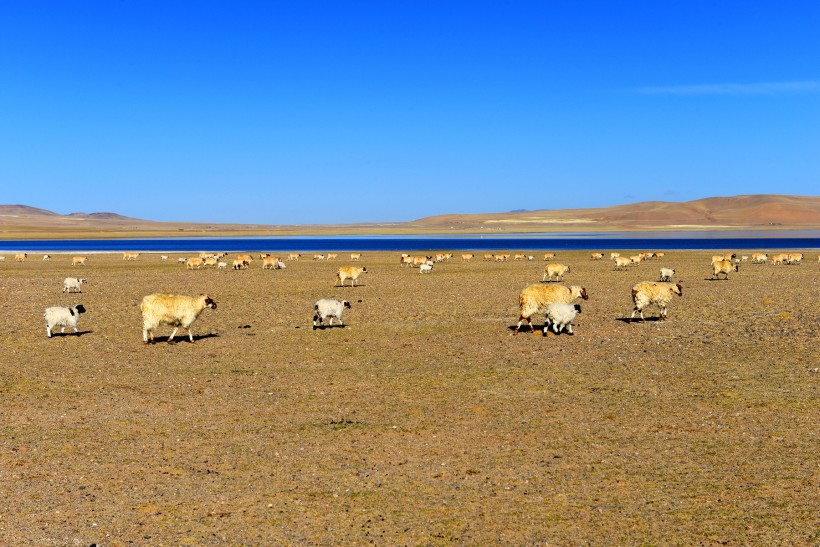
(629, 320)
(323, 327)
(57, 333)
(715, 279)
(183, 338)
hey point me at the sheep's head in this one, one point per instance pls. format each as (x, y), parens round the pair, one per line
(346, 304)
(584, 294)
(678, 289)
(577, 308)
(209, 302)
(79, 308)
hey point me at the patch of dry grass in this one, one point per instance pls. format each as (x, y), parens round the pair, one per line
(423, 421)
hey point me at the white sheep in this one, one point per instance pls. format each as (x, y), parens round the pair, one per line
(73, 284)
(327, 307)
(46, 258)
(222, 266)
(425, 268)
(60, 316)
(666, 274)
(560, 317)
(536, 298)
(660, 294)
(172, 310)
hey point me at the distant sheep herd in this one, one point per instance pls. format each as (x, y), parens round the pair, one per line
(558, 304)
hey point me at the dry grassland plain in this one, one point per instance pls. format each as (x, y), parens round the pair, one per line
(423, 421)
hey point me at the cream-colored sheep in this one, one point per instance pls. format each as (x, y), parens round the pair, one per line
(349, 272)
(723, 267)
(78, 260)
(553, 269)
(647, 293)
(759, 258)
(621, 262)
(172, 310)
(535, 299)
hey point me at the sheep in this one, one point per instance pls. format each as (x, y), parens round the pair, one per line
(46, 258)
(548, 256)
(556, 270)
(723, 267)
(349, 272)
(488, 256)
(780, 259)
(78, 260)
(502, 257)
(795, 258)
(647, 293)
(717, 258)
(280, 265)
(666, 274)
(59, 316)
(467, 257)
(2, 258)
(130, 256)
(597, 256)
(245, 257)
(172, 310)
(425, 268)
(240, 264)
(613, 256)
(327, 307)
(163, 257)
(332, 256)
(192, 263)
(221, 265)
(318, 257)
(210, 261)
(182, 260)
(20, 257)
(270, 263)
(73, 284)
(560, 316)
(536, 298)
(621, 262)
(759, 258)
(406, 260)
(659, 255)
(355, 257)
(294, 256)
(744, 258)
(635, 259)
(518, 256)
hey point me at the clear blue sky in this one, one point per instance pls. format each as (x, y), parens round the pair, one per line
(347, 111)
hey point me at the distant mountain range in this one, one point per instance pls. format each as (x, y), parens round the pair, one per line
(751, 212)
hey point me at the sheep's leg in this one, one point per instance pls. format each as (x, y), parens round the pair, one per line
(569, 329)
(171, 338)
(191, 335)
(520, 320)
(48, 331)
(145, 336)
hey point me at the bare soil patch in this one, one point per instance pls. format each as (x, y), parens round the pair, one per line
(423, 421)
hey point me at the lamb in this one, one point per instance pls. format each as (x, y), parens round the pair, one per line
(666, 274)
(723, 267)
(647, 293)
(536, 298)
(327, 307)
(59, 316)
(560, 317)
(425, 268)
(172, 310)
(556, 270)
(349, 272)
(73, 284)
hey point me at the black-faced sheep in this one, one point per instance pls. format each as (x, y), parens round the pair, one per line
(59, 316)
(328, 307)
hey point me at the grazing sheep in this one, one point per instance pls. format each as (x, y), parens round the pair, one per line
(597, 256)
(269, 262)
(78, 260)
(349, 272)
(327, 307)
(660, 294)
(172, 310)
(666, 274)
(759, 258)
(536, 298)
(425, 268)
(621, 262)
(723, 267)
(560, 316)
(46, 258)
(73, 284)
(59, 316)
(556, 270)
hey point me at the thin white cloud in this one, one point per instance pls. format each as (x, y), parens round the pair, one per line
(769, 88)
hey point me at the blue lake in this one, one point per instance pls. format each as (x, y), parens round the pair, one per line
(515, 242)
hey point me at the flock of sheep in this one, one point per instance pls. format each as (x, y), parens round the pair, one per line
(558, 303)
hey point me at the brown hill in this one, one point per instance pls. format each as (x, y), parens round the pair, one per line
(752, 212)
(737, 212)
